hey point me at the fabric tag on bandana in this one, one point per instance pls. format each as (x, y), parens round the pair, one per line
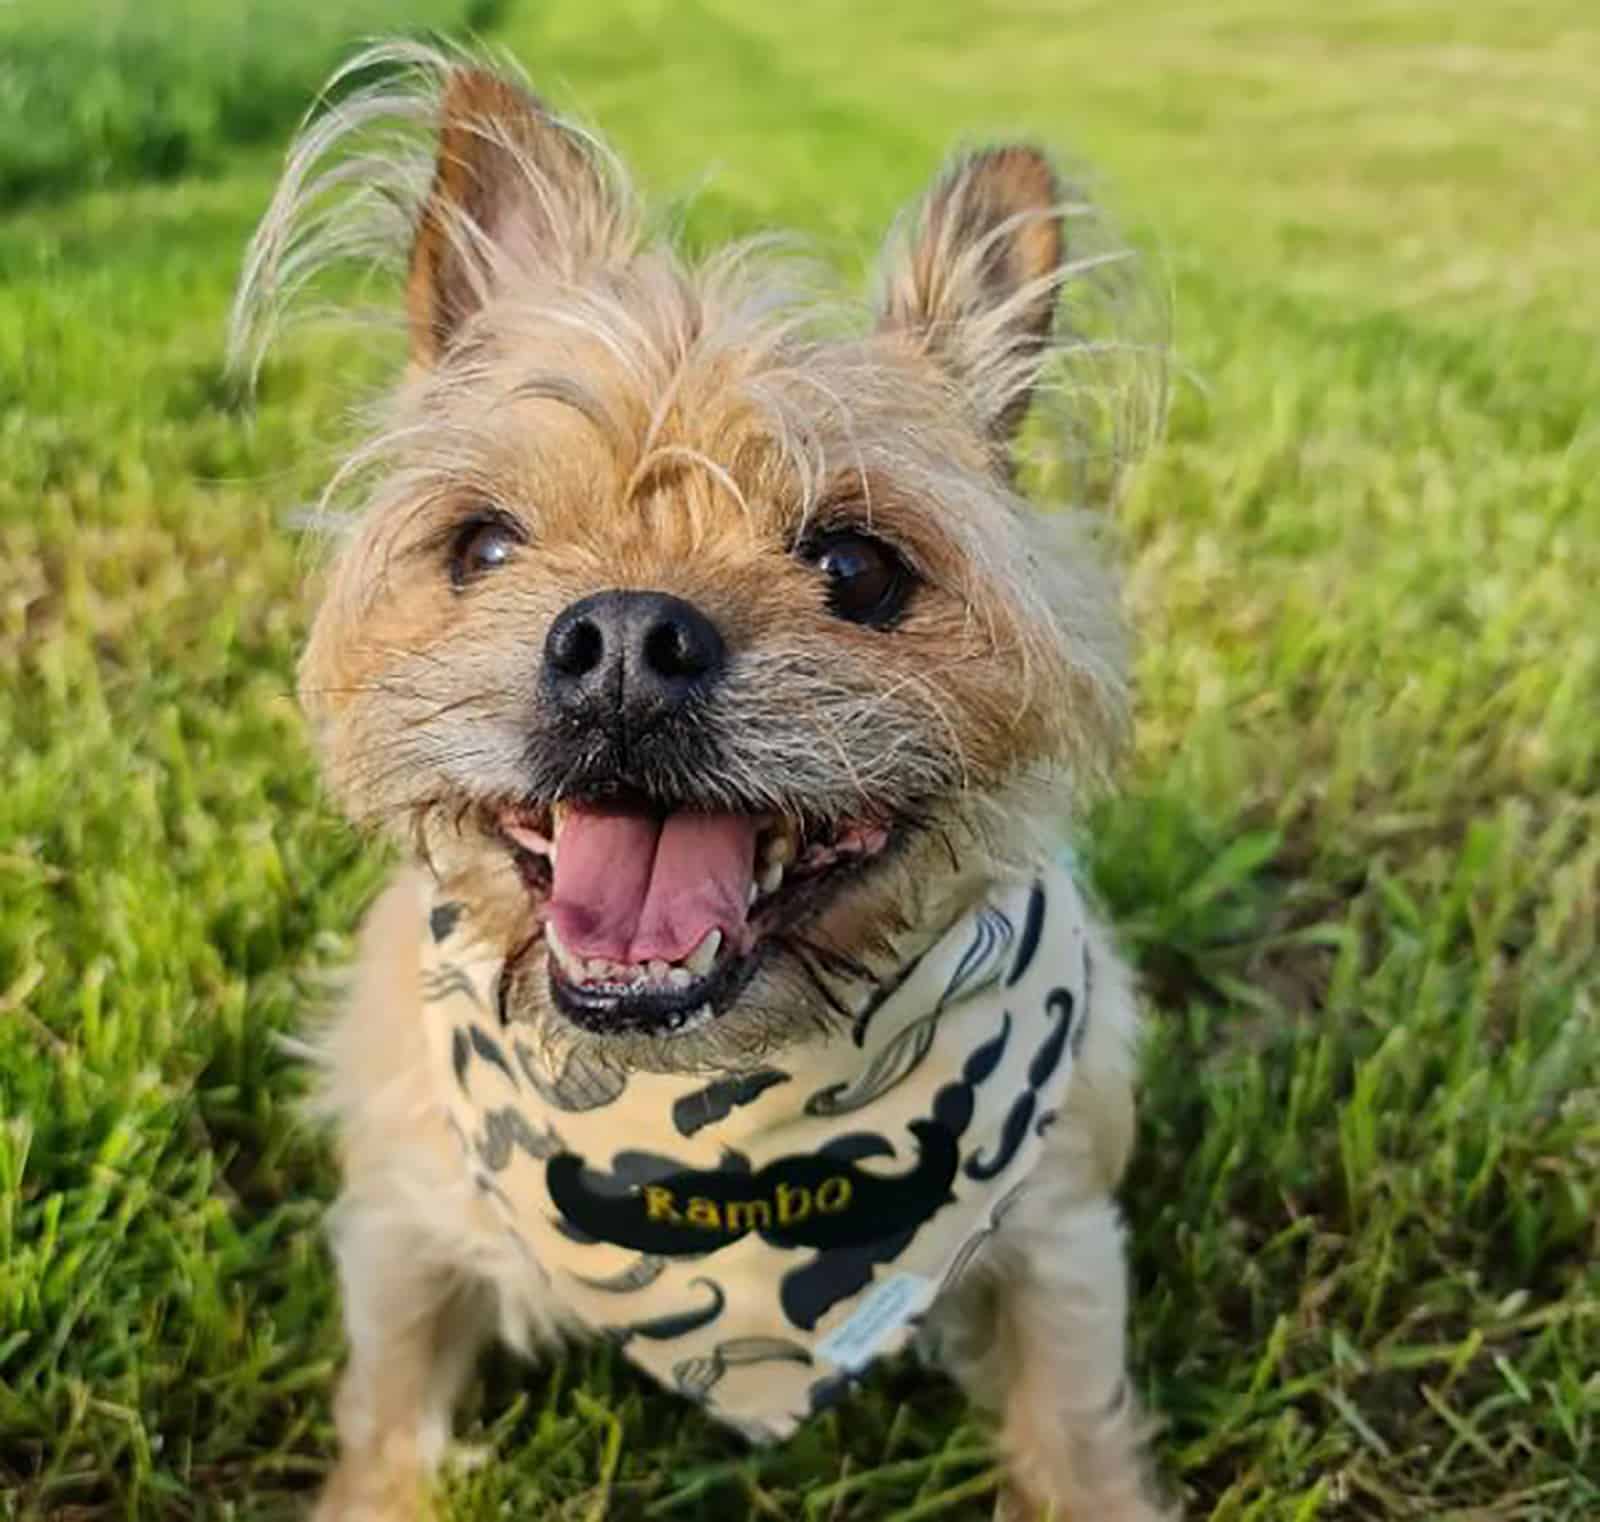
(883, 1310)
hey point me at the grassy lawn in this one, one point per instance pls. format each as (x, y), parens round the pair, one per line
(1358, 857)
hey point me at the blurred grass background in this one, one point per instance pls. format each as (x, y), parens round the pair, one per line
(94, 92)
(1358, 859)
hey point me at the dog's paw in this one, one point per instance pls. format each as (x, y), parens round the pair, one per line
(1009, 1506)
(466, 1458)
(1013, 1504)
(365, 1490)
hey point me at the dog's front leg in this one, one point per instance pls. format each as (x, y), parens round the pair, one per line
(414, 1333)
(417, 1307)
(1040, 1333)
(1070, 1427)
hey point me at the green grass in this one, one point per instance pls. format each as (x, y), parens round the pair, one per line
(97, 91)
(1358, 858)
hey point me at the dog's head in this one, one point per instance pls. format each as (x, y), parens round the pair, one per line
(699, 638)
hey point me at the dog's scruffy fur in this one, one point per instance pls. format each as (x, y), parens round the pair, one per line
(610, 414)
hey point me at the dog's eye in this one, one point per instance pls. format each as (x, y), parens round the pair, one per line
(867, 582)
(480, 546)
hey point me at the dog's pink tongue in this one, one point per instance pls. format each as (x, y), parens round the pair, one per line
(631, 888)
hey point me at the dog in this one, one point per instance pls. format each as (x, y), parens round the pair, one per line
(730, 706)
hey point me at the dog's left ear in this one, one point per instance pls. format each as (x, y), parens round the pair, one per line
(975, 281)
(510, 183)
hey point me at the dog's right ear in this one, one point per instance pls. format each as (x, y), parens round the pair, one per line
(511, 185)
(974, 276)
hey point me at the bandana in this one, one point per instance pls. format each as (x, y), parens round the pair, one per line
(755, 1238)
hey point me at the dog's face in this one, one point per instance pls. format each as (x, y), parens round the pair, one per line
(706, 654)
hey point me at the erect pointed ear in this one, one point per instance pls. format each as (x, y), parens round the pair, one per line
(511, 185)
(975, 280)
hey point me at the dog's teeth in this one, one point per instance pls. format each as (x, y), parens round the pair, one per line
(700, 959)
(571, 965)
(596, 968)
(679, 977)
(779, 847)
(527, 837)
(558, 817)
(658, 969)
(772, 878)
(754, 893)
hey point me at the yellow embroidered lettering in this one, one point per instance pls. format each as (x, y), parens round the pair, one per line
(659, 1204)
(703, 1212)
(748, 1215)
(794, 1204)
(833, 1195)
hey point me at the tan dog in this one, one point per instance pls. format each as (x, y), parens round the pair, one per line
(698, 648)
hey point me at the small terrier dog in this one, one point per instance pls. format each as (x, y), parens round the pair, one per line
(695, 642)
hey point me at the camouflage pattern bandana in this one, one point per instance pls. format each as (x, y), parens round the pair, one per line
(755, 1239)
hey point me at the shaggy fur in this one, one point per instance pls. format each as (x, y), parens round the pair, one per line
(640, 421)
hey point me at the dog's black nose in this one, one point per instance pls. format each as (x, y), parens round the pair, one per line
(631, 655)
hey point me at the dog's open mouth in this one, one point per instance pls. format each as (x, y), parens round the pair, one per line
(655, 921)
